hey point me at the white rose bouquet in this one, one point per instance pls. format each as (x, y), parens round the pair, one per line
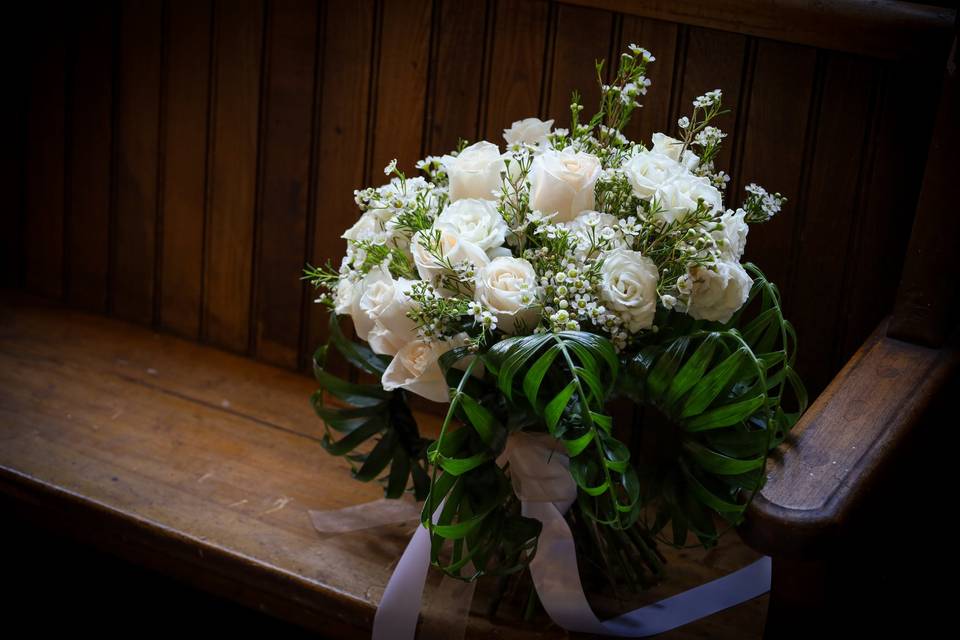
(529, 287)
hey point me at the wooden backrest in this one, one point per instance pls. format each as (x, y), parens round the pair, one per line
(178, 162)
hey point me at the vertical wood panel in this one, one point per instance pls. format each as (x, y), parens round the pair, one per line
(660, 38)
(458, 73)
(401, 85)
(88, 189)
(714, 60)
(517, 66)
(186, 110)
(233, 173)
(775, 130)
(582, 36)
(138, 105)
(285, 179)
(43, 221)
(814, 297)
(348, 40)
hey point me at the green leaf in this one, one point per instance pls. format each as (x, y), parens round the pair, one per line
(555, 407)
(534, 377)
(356, 437)
(715, 462)
(692, 370)
(378, 459)
(713, 383)
(356, 354)
(482, 421)
(725, 415)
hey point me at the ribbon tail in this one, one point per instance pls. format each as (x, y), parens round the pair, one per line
(399, 608)
(557, 579)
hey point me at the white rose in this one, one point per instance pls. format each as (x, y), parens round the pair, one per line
(668, 146)
(648, 170)
(415, 368)
(717, 295)
(628, 285)
(732, 239)
(506, 287)
(452, 248)
(528, 131)
(369, 228)
(475, 172)
(386, 302)
(562, 182)
(476, 221)
(678, 196)
(350, 296)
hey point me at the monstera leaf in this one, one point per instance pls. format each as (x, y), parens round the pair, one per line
(713, 399)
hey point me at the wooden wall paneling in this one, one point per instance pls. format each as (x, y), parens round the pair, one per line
(775, 130)
(582, 36)
(44, 199)
(88, 156)
(713, 60)
(233, 173)
(458, 73)
(138, 104)
(17, 39)
(402, 79)
(348, 46)
(285, 178)
(186, 112)
(813, 297)
(660, 39)
(906, 105)
(517, 66)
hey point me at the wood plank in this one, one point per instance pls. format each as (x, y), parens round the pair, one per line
(138, 104)
(660, 38)
(582, 36)
(43, 222)
(185, 136)
(713, 60)
(342, 130)
(881, 29)
(233, 173)
(285, 179)
(815, 287)
(91, 130)
(780, 97)
(458, 73)
(401, 94)
(517, 67)
(217, 496)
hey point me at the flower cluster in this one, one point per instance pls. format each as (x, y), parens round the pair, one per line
(575, 229)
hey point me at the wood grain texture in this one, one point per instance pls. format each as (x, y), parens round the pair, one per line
(137, 149)
(460, 60)
(232, 178)
(660, 38)
(185, 136)
(517, 65)
(401, 91)
(89, 155)
(880, 29)
(343, 131)
(203, 464)
(582, 37)
(285, 180)
(822, 244)
(44, 199)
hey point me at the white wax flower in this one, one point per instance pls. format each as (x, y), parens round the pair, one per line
(717, 295)
(475, 171)
(562, 182)
(678, 196)
(453, 248)
(628, 285)
(594, 226)
(528, 131)
(733, 237)
(476, 221)
(506, 287)
(415, 368)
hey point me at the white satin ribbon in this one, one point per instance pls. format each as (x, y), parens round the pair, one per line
(539, 471)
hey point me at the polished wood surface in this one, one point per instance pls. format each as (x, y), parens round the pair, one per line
(185, 159)
(202, 465)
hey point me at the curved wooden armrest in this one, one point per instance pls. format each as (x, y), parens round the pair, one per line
(838, 450)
